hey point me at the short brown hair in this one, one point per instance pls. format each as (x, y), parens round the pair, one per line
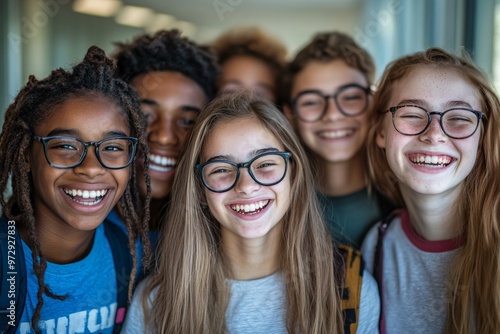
(329, 46)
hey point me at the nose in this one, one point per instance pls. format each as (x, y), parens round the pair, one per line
(246, 184)
(90, 166)
(434, 132)
(332, 111)
(162, 131)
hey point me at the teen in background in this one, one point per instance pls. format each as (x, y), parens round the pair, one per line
(329, 101)
(174, 78)
(252, 60)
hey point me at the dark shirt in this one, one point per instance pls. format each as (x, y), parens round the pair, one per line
(349, 217)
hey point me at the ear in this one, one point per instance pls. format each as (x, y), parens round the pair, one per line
(27, 161)
(380, 138)
(287, 109)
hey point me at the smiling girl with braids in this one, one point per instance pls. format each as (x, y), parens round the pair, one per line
(68, 142)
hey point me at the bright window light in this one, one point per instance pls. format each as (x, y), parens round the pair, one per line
(134, 16)
(104, 8)
(161, 21)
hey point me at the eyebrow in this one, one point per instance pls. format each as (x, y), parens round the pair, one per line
(191, 109)
(318, 90)
(188, 108)
(449, 104)
(149, 102)
(76, 133)
(239, 83)
(252, 153)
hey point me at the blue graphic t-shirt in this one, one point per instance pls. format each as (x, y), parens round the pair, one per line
(90, 287)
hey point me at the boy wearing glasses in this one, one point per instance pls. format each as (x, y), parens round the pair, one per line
(329, 99)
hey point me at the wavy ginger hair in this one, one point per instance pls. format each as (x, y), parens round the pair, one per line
(474, 288)
(190, 287)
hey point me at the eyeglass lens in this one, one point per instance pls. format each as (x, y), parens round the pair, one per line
(351, 101)
(265, 170)
(113, 152)
(457, 123)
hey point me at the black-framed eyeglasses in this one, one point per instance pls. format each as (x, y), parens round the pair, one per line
(69, 152)
(266, 169)
(456, 123)
(351, 100)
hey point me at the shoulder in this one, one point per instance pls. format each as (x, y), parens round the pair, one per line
(368, 246)
(371, 240)
(369, 309)
(135, 319)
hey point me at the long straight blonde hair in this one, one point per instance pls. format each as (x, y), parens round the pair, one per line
(190, 290)
(474, 277)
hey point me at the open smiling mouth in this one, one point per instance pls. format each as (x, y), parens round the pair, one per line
(83, 196)
(430, 161)
(250, 209)
(336, 134)
(161, 163)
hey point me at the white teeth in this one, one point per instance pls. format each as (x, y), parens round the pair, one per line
(162, 161)
(336, 134)
(159, 168)
(86, 193)
(249, 208)
(430, 160)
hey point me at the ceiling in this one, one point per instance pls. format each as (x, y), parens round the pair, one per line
(206, 12)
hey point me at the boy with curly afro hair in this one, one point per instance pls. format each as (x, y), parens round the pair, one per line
(175, 78)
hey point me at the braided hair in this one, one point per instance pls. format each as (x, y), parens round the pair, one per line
(33, 104)
(167, 50)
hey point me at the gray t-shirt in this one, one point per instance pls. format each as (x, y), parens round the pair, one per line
(258, 306)
(414, 273)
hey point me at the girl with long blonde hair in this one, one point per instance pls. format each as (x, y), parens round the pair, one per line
(434, 147)
(244, 248)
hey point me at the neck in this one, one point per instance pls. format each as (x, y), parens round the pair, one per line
(341, 178)
(253, 258)
(62, 246)
(432, 216)
(157, 211)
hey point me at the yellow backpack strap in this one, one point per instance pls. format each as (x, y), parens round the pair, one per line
(351, 266)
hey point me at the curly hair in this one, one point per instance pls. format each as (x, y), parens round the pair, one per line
(167, 50)
(253, 42)
(33, 104)
(329, 46)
